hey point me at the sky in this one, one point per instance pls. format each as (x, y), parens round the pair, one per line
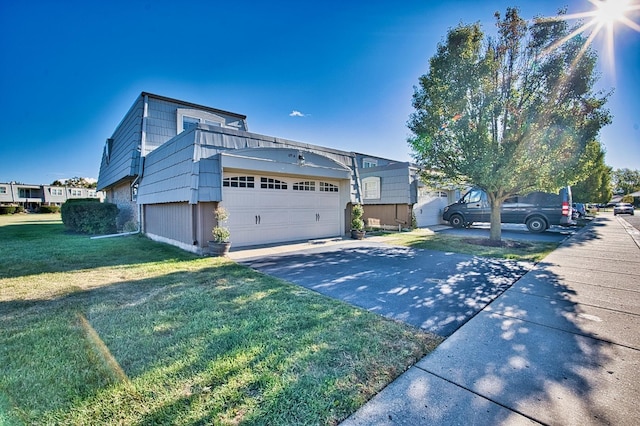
(340, 74)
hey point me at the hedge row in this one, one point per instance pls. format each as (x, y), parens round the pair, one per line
(89, 216)
(49, 209)
(8, 209)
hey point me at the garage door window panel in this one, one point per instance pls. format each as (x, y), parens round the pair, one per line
(304, 186)
(239, 182)
(328, 187)
(270, 183)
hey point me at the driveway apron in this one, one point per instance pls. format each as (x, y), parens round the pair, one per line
(435, 291)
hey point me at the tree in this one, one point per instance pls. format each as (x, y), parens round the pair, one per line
(76, 182)
(626, 181)
(512, 114)
(596, 187)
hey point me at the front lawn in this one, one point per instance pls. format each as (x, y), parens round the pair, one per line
(532, 251)
(128, 331)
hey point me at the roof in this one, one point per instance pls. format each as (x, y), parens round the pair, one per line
(192, 105)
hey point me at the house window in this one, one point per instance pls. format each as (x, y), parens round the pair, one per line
(3, 189)
(239, 182)
(371, 188)
(75, 192)
(270, 183)
(56, 191)
(328, 187)
(189, 122)
(188, 118)
(369, 162)
(304, 186)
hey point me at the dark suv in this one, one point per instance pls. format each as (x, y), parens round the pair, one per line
(538, 210)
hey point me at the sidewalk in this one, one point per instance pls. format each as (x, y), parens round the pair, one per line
(562, 346)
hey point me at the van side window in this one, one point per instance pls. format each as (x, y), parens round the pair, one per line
(473, 196)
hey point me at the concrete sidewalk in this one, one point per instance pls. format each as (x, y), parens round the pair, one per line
(562, 346)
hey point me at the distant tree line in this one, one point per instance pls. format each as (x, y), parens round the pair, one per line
(76, 182)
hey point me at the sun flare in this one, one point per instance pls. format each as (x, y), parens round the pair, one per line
(610, 11)
(605, 16)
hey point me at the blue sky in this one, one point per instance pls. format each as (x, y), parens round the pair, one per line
(71, 70)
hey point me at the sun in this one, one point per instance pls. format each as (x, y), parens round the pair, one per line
(606, 15)
(611, 11)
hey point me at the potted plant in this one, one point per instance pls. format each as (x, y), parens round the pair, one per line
(221, 234)
(357, 224)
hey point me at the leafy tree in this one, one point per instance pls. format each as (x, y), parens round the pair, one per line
(626, 181)
(511, 114)
(76, 182)
(596, 187)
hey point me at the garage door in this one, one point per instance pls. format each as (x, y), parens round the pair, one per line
(267, 209)
(428, 209)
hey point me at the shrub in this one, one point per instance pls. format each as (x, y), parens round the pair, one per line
(221, 234)
(49, 209)
(7, 209)
(89, 216)
(357, 224)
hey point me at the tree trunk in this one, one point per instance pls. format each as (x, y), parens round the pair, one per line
(495, 233)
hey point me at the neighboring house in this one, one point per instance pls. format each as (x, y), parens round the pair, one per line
(31, 197)
(388, 190)
(392, 191)
(170, 163)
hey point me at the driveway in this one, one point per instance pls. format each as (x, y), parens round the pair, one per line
(435, 291)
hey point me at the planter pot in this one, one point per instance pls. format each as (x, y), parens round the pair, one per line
(357, 235)
(219, 249)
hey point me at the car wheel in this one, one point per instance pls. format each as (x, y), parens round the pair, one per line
(456, 221)
(536, 224)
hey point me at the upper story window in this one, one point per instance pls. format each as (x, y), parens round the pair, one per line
(239, 182)
(3, 189)
(369, 162)
(270, 183)
(371, 188)
(56, 191)
(75, 192)
(189, 122)
(304, 186)
(189, 118)
(328, 187)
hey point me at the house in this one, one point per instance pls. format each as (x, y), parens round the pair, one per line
(31, 197)
(170, 163)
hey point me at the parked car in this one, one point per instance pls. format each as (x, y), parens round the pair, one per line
(538, 210)
(623, 208)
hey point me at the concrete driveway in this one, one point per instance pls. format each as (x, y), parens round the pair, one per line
(432, 290)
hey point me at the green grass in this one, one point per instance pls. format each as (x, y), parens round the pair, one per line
(517, 250)
(129, 331)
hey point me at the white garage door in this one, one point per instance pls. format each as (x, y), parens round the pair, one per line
(428, 209)
(265, 209)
